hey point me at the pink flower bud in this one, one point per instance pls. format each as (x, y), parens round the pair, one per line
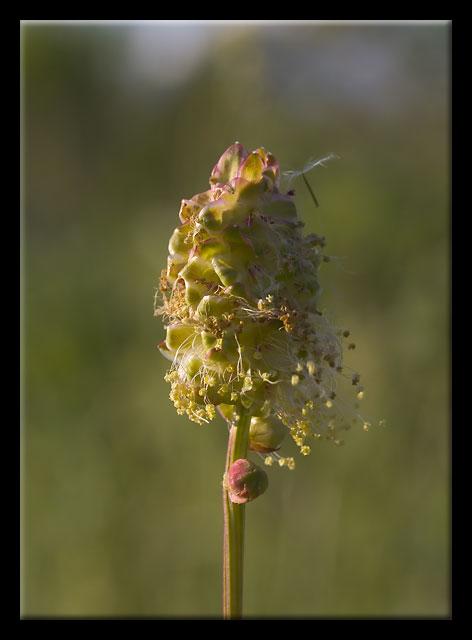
(245, 481)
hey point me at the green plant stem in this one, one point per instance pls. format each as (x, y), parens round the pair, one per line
(234, 516)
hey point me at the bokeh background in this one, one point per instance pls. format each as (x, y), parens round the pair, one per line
(121, 498)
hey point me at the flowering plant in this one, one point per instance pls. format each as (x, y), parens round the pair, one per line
(245, 335)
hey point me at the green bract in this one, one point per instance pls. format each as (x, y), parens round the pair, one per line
(240, 299)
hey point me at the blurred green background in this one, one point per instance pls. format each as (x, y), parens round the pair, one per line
(121, 498)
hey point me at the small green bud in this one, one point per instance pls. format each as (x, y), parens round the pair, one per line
(193, 367)
(208, 340)
(177, 243)
(245, 481)
(226, 273)
(266, 434)
(177, 334)
(213, 306)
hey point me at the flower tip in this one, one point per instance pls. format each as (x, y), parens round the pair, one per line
(227, 166)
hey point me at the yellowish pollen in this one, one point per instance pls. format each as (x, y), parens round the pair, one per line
(310, 367)
(287, 462)
(269, 461)
(234, 397)
(305, 450)
(328, 404)
(360, 395)
(295, 379)
(366, 426)
(210, 409)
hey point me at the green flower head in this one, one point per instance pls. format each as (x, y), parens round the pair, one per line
(240, 301)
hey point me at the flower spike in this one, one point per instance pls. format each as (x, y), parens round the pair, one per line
(240, 298)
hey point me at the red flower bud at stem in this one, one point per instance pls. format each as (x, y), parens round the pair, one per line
(245, 481)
